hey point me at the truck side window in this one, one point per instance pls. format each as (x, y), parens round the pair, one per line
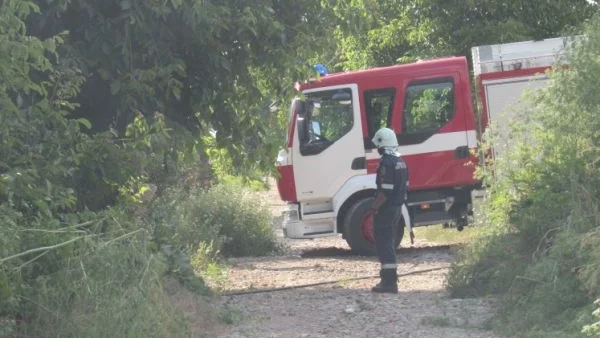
(428, 107)
(329, 118)
(378, 104)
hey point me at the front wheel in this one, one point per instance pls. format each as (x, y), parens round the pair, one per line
(357, 225)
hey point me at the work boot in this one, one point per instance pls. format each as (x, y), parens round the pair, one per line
(389, 282)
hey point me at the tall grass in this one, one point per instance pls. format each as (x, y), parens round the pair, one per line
(105, 284)
(109, 281)
(233, 219)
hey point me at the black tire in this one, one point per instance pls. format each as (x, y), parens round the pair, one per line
(353, 232)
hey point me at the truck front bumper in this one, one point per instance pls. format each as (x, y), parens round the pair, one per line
(294, 227)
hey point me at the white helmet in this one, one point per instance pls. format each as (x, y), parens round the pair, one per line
(385, 137)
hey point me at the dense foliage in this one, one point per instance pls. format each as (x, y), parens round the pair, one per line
(372, 33)
(80, 252)
(234, 219)
(542, 250)
(205, 64)
(228, 66)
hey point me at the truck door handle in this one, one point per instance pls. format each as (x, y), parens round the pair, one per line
(461, 152)
(359, 163)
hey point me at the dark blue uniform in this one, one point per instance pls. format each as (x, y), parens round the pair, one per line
(391, 180)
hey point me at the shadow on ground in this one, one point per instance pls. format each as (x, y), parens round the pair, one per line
(342, 252)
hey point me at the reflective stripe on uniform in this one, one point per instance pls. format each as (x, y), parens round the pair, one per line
(387, 186)
(388, 266)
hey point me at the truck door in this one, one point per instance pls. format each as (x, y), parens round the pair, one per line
(330, 146)
(437, 130)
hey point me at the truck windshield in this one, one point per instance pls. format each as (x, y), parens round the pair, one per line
(328, 118)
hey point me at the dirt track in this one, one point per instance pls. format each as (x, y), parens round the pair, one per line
(347, 308)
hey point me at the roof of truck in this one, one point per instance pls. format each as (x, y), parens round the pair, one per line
(424, 66)
(519, 55)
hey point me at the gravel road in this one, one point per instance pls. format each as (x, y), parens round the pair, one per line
(347, 308)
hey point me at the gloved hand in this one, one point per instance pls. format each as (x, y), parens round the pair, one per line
(367, 226)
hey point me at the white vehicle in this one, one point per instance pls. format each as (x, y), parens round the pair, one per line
(327, 171)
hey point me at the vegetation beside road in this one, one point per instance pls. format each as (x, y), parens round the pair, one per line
(541, 249)
(92, 225)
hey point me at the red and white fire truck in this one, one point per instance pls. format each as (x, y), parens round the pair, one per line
(327, 169)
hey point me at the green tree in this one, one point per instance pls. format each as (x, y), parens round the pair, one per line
(464, 24)
(43, 230)
(36, 165)
(373, 33)
(205, 64)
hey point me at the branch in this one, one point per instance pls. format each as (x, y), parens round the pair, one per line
(539, 246)
(41, 249)
(67, 229)
(31, 260)
(121, 237)
(530, 279)
(52, 231)
(83, 224)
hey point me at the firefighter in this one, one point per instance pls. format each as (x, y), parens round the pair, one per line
(392, 185)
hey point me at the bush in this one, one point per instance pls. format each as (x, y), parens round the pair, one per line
(244, 218)
(233, 219)
(542, 246)
(149, 151)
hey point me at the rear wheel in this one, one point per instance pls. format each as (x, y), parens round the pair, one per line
(357, 224)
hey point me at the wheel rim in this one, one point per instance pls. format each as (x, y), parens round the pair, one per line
(367, 227)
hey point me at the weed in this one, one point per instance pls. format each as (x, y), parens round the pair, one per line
(343, 283)
(230, 315)
(439, 234)
(436, 321)
(227, 220)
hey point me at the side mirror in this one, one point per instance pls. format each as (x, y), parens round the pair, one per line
(302, 129)
(300, 108)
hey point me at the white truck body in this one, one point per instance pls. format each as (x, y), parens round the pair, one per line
(505, 73)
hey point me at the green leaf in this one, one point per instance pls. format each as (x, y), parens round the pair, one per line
(126, 5)
(176, 3)
(85, 122)
(115, 87)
